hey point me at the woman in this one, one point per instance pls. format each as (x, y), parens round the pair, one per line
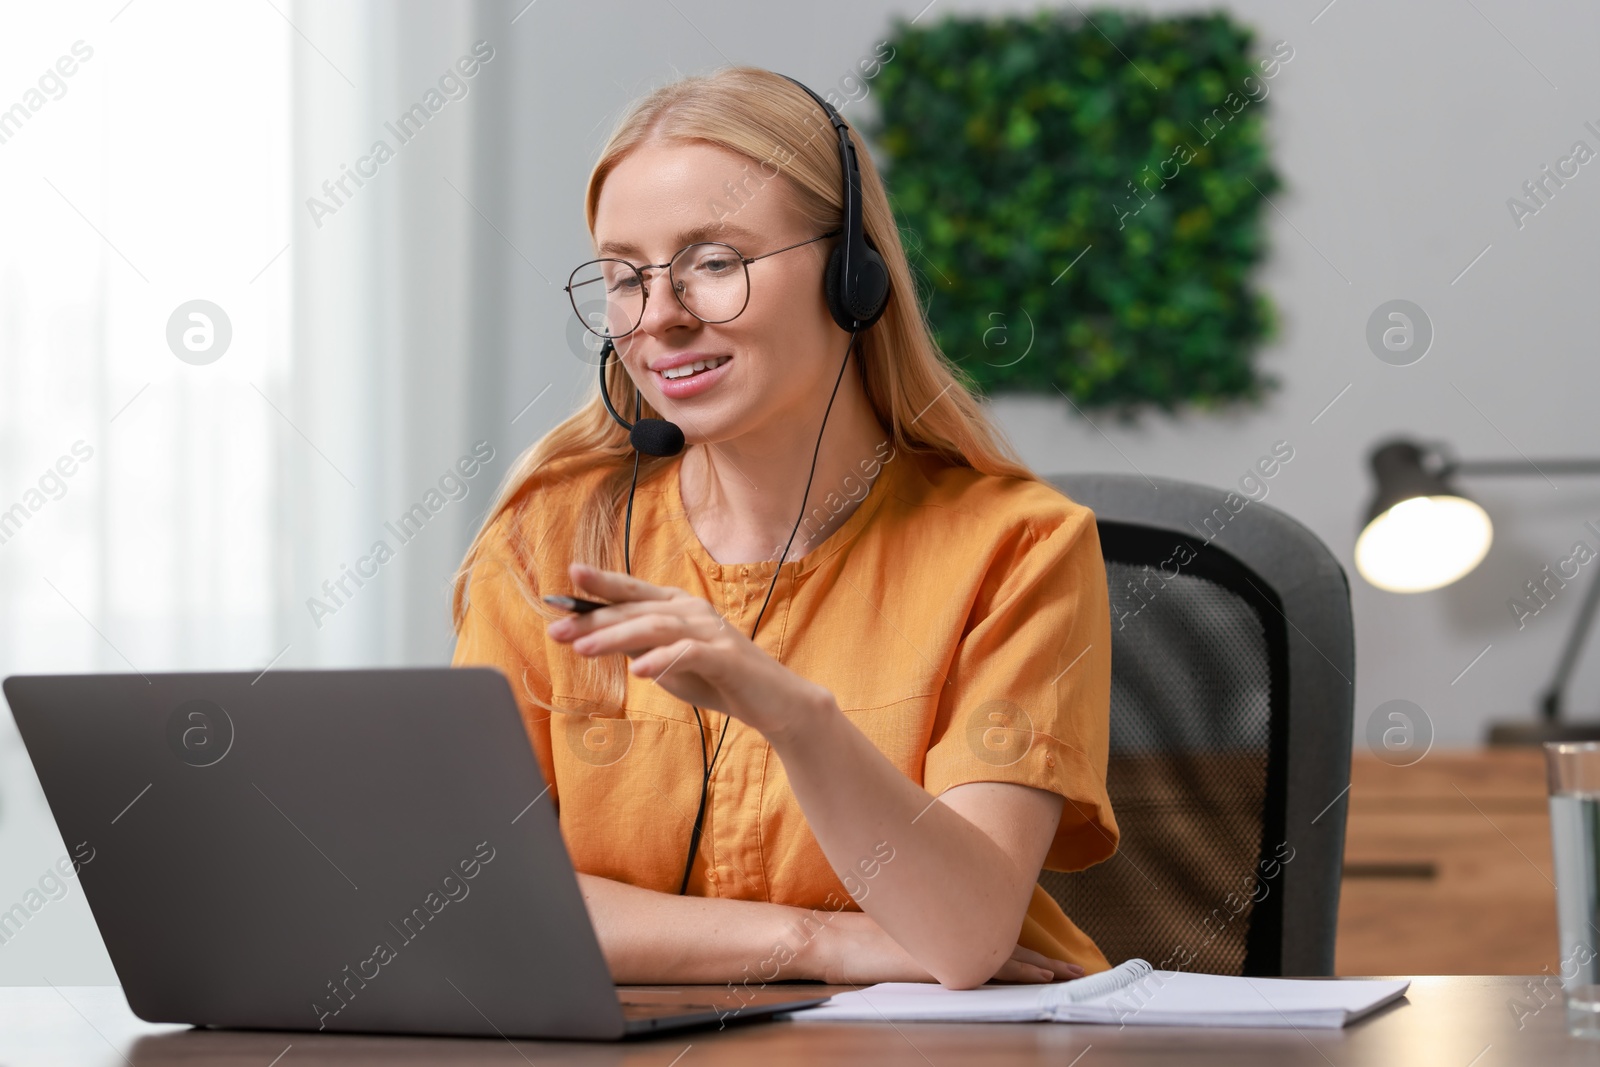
(920, 721)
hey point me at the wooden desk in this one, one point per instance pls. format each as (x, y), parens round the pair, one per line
(1447, 866)
(1448, 1021)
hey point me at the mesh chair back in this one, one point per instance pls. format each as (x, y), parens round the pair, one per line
(1231, 703)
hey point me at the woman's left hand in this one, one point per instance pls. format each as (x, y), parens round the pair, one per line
(689, 650)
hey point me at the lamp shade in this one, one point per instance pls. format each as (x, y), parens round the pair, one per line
(1421, 533)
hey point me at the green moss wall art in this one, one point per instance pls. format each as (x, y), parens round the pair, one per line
(1084, 201)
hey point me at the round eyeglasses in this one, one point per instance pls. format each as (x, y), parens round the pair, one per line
(710, 279)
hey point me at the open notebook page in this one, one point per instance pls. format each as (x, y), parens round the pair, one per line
(1130, 993)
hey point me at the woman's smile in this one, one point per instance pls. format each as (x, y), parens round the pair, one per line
(678, 380)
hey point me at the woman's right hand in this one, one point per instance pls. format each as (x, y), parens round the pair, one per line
(852, 949)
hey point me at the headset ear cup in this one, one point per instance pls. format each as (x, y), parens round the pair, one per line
(874, 277)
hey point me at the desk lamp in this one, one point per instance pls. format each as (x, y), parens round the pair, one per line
(1422, 533)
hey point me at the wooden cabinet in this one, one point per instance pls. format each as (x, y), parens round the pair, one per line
(1447, 866)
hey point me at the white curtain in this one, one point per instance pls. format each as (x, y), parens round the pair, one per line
(144, 164)
(154, 175)
(170, 504)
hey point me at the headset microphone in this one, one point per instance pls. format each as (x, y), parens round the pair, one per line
(653, 437)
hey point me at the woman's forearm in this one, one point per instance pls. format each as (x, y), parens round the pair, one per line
(650, 937)
(951, 896)
(659, 937)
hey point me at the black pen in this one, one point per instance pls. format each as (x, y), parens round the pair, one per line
(574, 604)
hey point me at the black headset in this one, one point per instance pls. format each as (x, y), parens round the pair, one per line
(857, 282)
(856, 286)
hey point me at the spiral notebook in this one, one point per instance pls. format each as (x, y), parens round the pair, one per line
(1131, 993)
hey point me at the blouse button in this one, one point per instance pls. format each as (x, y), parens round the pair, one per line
(1049, 759)
(711, 876)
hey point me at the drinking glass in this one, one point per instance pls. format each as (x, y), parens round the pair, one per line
(1574, 772)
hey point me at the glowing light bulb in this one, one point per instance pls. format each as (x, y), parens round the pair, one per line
(1423, 543)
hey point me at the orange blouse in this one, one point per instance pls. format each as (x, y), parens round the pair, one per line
(960, 620)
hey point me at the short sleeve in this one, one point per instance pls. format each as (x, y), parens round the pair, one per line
(501, 629)
(1029, 693)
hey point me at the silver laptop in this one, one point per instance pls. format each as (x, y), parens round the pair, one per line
(361, 850)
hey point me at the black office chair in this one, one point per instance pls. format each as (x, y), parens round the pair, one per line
(1232, 690)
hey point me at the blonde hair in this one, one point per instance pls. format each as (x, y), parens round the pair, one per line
(924, 402)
